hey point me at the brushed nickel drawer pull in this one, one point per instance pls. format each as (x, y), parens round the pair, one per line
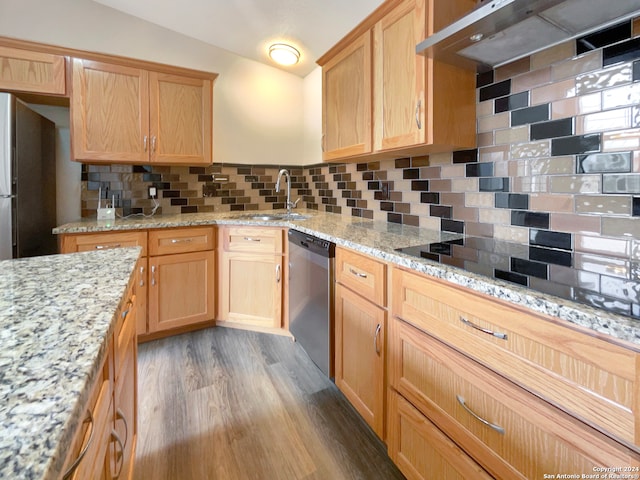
(120, 416)
(497, 428)
(358, 274)
(107, 247)
(126, 311)
(116, 437)
(181, 240)
(503, 336)
(418, 105)
(375, 339)
(84, 451)
(250, 239)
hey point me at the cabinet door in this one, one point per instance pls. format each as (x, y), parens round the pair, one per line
(421, 450)
(181, 119)
(251, 289)
(125, 416)
(360, 332)
(399, 77)
(109, 112)
(181, 290)
(346, 101)
(29, 71)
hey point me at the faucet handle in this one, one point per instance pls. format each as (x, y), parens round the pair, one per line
(293, 204)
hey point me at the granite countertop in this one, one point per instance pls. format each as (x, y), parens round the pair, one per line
(380, 239)
(56, 315)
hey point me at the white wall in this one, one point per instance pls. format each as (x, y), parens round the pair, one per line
(258, 109)
(312, 109)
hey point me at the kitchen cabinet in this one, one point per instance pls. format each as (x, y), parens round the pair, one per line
(396, 101)
(346, 101)
(104, 445)
(32, 71)
(251, 277)
(360, 328)
(128, 114)
(521, 395)
(181, 277)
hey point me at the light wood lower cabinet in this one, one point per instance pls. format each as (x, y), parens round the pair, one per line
(510, 432)
(181, 290)
(252, 276)
(421, 450)
(360, 355)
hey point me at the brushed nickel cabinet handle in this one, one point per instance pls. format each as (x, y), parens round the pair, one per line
(322, 143)
(376, 336)
(278, 273)
(142, 276)
(358, 274)
(125, 312)
(153, 144)
(153, 275)
(497, 428)
(418, 123)
(144, 141)
(250, 239)
(181, 240)
(107, 247)
(84, 451)
(120, 416)
(116, 437)
(500, 335)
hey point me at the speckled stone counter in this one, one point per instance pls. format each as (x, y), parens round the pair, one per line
(56, 315)
(380, 240)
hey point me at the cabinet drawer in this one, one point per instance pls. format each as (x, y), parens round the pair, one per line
(103, 241)
(421, 450)
(586, 376)
(512, 433)
(181, 240)
(362, 274)
(253, 239)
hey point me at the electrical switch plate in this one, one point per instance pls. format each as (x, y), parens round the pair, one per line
(106, 213)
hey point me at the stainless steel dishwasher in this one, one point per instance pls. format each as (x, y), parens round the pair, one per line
(311, 297)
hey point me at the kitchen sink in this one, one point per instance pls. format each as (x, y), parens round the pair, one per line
(265, 217)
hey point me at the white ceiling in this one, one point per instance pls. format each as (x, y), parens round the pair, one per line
(248, 27)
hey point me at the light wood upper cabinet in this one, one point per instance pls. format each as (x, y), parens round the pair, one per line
(109, 112)
(132, 115)
(346, 101)
(181, 114)
(31, 71)
(418, 105)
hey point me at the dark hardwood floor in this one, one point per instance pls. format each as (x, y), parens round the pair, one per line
(231, 404)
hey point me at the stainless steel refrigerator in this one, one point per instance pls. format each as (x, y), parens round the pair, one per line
(27, 181)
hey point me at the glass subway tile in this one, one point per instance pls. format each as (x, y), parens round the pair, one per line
(636, 207)
(411, 173)
(511, 277)
(604, 37)
(495, 90)
(420, 185)
(485, 78)
(636, 70)
(512, 102)
(484, 169)
(494, 184)
(429, 197)
(517, 201)
(394, 218)
(451, 226)
(530, 219)
(575, 144)
(605, 163)
(465, 156)
(440, 211)
(621, 52)
(546, 238)
(527, 267)
(621, 183)
(548, 255)
(552, 129)
(539, 113)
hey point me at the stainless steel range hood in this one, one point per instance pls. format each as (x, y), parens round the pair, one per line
(501, 31)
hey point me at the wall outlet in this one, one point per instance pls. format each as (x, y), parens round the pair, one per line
(385, 190)
(106, 213)
(153, 192)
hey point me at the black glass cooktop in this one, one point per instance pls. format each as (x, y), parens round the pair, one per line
(610, 283)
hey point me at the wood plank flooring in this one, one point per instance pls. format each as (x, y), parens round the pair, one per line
(231, 404)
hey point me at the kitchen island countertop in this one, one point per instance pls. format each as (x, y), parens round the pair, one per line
(380, 239)
(56, 315)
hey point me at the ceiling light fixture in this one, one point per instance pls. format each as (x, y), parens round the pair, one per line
(284, 54)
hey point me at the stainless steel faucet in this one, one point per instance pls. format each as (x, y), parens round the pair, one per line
(290, 204)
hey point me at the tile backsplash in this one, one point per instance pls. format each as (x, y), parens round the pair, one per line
(557, 163)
